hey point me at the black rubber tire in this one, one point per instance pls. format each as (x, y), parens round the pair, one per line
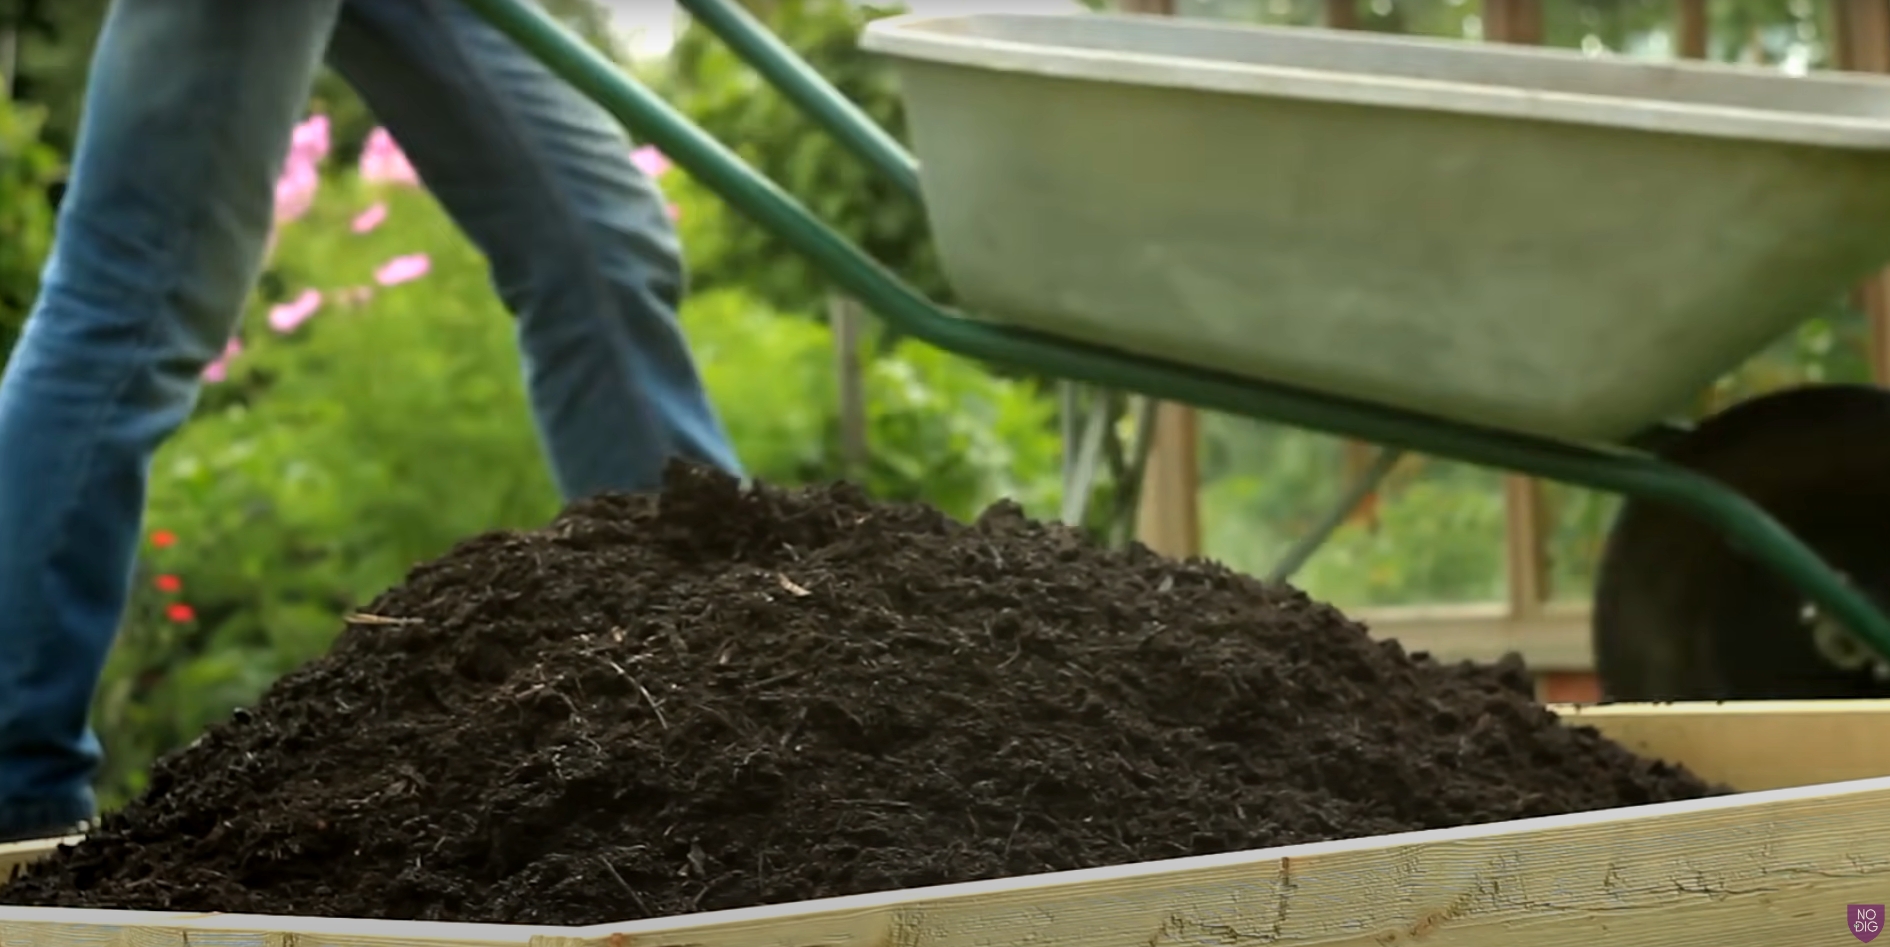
(1682, 615)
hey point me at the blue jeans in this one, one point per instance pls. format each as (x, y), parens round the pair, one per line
(161, 234)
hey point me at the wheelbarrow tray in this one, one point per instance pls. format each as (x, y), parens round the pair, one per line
(1771, 867)
(1520, 238)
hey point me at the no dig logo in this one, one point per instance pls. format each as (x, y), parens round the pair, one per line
(1866, 921)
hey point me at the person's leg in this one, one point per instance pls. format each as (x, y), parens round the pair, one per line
(187, 122)
(581, 248)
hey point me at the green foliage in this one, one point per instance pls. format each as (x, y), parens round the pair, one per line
(1437, 535)
(55, 39)
(939, 429)
(714, 88)
(27, 166)
(349, 119)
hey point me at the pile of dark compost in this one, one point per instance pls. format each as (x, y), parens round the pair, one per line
(723, 697)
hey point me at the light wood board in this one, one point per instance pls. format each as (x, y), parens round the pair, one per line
(1771, 867)
(1761, 744)
(17, 855)
(1553, 637)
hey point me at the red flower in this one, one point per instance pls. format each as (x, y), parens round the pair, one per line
(163, 538)
(180, 613)
(168, 583)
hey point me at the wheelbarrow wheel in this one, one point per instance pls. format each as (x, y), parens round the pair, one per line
(1682, 615)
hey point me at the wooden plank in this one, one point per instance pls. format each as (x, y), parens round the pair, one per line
(56, 927)
(1555, 638)
(1760, 868)
(1571, 687)
(1754, 744)
(1764, 868)
(14, 855)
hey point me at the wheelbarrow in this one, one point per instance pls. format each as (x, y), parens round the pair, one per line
(1520, 258)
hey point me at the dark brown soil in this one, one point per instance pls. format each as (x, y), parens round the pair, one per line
(727, 698)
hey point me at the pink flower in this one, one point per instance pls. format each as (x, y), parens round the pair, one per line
(301, 171)
(284, 317)
(651, 161)
(295, 189)
(310, 141)
(675, 213)
(382, 161)
(402, 269)
(369, 219)
(219, 369)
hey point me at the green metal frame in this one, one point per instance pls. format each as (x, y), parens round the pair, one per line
(1614, 469)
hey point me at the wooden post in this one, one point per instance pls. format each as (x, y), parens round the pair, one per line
(1520, 21)
(1863, 45)
(1342, 14)
(1513, 21)
(1525, 517)
(1168, 518)
(1523, 534)
(1693, 29)
(843, 314)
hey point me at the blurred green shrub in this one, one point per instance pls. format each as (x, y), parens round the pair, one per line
(27, 167)
(715, 89)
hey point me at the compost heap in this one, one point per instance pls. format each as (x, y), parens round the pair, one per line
(727, 697)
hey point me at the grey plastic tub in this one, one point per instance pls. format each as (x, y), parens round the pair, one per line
(1523, 238)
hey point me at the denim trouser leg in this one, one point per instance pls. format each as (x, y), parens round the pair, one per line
(186, 128)
(581, 247)
(186, 125)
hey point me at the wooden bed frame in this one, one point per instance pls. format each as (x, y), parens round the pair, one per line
(1776, 864)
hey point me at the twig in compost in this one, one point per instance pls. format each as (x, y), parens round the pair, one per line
(1019, 824)
(660, 720)
(634, 896)
(781, 678)
(363, 618)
